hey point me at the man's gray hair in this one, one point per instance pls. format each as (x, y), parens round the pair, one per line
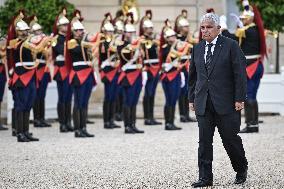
(211, 17)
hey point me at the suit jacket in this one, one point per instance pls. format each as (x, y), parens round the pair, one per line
(225, 81)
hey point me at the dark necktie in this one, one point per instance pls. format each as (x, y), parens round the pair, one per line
(209, 56)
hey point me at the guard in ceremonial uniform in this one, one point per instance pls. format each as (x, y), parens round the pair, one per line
(172, 78)
(78, 59)
(61, 74)
(250, 36)
(109, 66)
(21, 56)
(3, 78)
(150, 49)
(118, 30)
(42, 75)
(183, 34)
(130, 77)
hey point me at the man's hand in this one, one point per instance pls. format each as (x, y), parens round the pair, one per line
(239, 106)
(191, 106)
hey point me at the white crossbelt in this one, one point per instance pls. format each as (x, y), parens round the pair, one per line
(41, 61)
(150, 61)
(129, 67)
(249, 57)
(186, 57)
(60, 58)
(18, 64)
(167, 66)
(81, 63)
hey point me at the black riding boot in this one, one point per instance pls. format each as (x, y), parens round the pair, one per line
(170, 113)
(151, 110)
(14, 122)
(68, 117)
(36, 112)
(62, 118)
(133, 120)
(27, 126)
(21, 137)
(181, 109)
(106, 116)
(83, 122)
(111, 116)
(77, 123)
(42, 114)
(119, 108)
(127, 120)
(250, 117)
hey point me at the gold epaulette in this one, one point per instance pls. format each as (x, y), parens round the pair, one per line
(13, 43)
(118, 42)
(72, 44)
(241, 32)
(54, 41)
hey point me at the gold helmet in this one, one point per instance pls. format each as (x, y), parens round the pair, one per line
(62, 20)
(34, 25)
(76, 23)
(107, 23)
(168, 30)
(181, 20)
(129, 23)
(19, 23)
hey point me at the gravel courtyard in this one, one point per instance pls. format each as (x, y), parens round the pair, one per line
(156, 159)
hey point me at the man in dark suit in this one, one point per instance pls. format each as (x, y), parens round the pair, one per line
(217, 91)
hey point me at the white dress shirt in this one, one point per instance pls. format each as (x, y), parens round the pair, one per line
(212, 48)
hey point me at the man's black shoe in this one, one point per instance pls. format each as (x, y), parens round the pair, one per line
(249, 129)
(63, 128)
(171, 127)
(152, 122)
(241, 177)
(129, 130)
(84, 130)
(202, 183)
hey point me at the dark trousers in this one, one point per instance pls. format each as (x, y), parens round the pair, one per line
(83, 93)
(253, 83)
(24, 97)
(111, 90)
(41, 90)
(228, 127)
(65, 91)
(151, 85)
(172, 90)
(131, 93)
(2, 85)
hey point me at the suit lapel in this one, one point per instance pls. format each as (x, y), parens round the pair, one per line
(217, 50)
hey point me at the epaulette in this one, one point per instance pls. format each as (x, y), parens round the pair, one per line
(181, 44)
(72, 44)
(118, 42)
(13, 43)
(54, 41)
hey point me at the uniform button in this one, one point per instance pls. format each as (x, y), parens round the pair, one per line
(208, 80)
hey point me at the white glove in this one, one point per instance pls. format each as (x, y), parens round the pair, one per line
(182, 80)
(223, 22)
(237, 20)
(144, 78)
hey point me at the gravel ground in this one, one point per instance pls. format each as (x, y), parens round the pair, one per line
(156, 159)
